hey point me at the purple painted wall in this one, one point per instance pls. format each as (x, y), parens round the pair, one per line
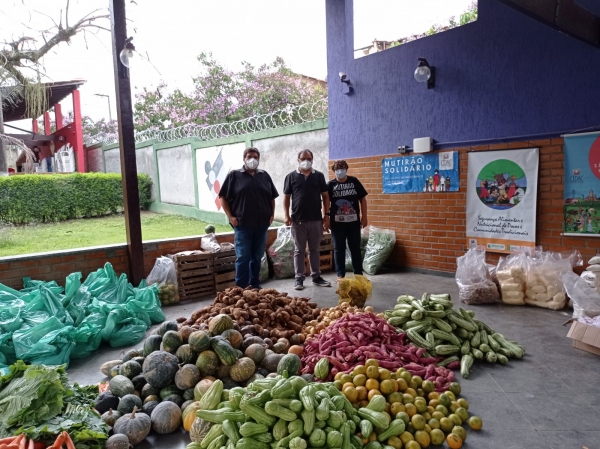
(592, 6)
(504, 76)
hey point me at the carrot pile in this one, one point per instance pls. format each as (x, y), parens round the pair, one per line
(21, 442)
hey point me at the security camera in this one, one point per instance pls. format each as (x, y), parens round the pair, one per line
(402, 149)
(344, 79)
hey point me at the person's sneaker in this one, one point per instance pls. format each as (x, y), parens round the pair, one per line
(299, 285)
(320, 282)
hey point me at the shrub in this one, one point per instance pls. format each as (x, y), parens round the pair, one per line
(46, 198)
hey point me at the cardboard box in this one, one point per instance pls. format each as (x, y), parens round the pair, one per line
(585, 337)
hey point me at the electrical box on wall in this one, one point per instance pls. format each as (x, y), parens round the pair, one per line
(422, 145)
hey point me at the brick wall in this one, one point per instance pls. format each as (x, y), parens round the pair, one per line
(430, 228)
(58, 265)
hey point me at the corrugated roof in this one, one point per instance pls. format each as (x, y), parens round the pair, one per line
(56, 93)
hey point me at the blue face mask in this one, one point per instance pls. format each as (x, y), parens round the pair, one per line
(340, 174)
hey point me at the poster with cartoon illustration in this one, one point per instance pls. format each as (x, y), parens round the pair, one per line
(582, 185)
(435, 172)
(502, 199)
(212, 166)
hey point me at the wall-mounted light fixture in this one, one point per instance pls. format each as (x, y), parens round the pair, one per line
(347, 88)
(425, 73)
(127, 52)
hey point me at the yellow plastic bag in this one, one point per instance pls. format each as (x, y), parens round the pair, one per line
(355, 290)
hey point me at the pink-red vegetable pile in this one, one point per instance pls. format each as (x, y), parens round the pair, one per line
(354, 338)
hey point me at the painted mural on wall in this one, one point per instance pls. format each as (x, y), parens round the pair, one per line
(212, 166)
(582, 184)
(435, 172)
(502, 199)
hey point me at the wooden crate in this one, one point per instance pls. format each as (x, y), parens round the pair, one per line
(325, 255)
(195, 275)
(224, 269)
(224, 280)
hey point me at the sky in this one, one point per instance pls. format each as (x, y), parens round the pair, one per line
(171, 34)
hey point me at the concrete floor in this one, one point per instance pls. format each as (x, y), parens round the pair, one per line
(550, 399)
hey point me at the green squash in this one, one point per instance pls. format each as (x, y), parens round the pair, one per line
(131, 354)
(224, 351)
(234, 337)
(160, 368)
(185, 333)
(130, 369)
(136, 426)
(108, 366)
(139, 359)
(168, 390)
(149, 390)
(188, 394)
(171, 341)
(166, 418)
(185, 404)
(152, 344)
(322, 369)
(317, 438)
(199, 429)
(185, 354)
(207, 363)
(334, 439)
(201, 388)
(175, 398)
(209, 229)
(271, 361)
(117, 442)
(139, 382)
(243, 369)
(110, 417)
(149, 407)
(106, 401)
(152, 398)
(187, 377)
(219, 324)
(120, 386)
(114, 371)
(128, 403)
(256, 352)
(199, 341)
(290, 363)
(167, 326)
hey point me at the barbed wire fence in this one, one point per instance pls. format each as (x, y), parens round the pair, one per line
(291, 115)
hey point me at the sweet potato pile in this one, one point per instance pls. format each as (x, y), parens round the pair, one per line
(273, 314)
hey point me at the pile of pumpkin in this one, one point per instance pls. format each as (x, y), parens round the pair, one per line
(176, 367)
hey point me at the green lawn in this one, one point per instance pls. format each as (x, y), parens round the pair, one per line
(94, 232)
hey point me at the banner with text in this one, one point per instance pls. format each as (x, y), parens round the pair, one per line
(502, 199)
(435, 172)
(582, 185)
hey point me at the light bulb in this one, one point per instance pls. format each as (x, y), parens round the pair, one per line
(125, 56)
(422, 74)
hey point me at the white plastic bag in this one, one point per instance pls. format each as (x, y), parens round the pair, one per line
(281, 253)
(264, 268)
(544, 287)
(475, 284)
(379, 247)
(209, 243)
(586, 301)
(590, 278)
(165, 275)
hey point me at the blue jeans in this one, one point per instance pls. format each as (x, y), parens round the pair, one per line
(250, 246)
(341, 234)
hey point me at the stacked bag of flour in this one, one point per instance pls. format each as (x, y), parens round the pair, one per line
(512, 276)
(592, 274)
(544, 285)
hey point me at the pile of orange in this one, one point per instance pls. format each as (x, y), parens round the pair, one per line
(430, 417)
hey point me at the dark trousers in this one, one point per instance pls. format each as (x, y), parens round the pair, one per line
(250, 246)
(340, 234)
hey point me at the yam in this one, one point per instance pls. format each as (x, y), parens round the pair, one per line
(543, 297)
(511, 287)
(552, 290)
(538, 289)
(513, 294)
(530, 294)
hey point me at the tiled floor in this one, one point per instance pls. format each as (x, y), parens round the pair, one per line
(548, 400)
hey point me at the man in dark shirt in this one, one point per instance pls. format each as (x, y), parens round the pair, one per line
(305, 186)
(248, 198)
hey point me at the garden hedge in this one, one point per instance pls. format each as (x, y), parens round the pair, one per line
(47, 198)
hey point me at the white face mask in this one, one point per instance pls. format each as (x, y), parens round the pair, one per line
(340, 174)
(252, 163)
(305, 165)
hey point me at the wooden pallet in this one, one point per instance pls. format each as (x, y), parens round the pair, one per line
(195, 275)
(224, 261)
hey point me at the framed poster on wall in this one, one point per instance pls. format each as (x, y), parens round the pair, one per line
(435, 172)
(582, 185)
(502, 199)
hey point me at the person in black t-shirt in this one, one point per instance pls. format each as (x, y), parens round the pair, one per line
(248, 198)
(348, 212)
(305, 187)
